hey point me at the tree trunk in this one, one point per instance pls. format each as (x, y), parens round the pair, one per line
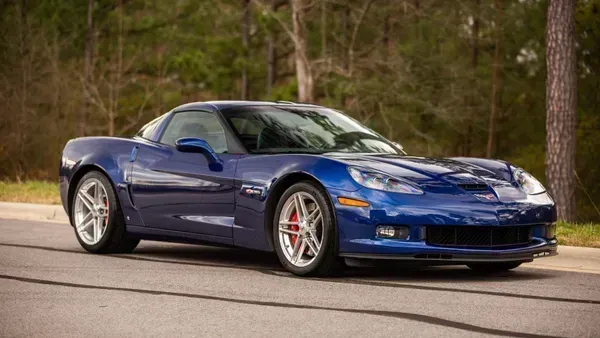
(271, 63)
(387, 45)
(114, 110)
(323, 29)
(245, 45)
(497, 62)
(476, 34)
(87, 68)
(417, 18)
(303, 68)
(561, 106)
(271, 55)
(346, 35)
(474, 63)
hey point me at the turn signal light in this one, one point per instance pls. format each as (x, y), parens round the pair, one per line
(352, 202)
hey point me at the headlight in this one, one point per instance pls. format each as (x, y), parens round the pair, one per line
(527, 182)
(379, 181)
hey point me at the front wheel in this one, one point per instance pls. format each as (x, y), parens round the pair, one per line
(494, 267)
(304, 231)
(97, 218)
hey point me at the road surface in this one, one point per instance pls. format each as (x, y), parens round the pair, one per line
(49, 286)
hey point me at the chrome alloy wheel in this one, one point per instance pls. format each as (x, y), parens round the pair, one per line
(301, 229)
(91, 211)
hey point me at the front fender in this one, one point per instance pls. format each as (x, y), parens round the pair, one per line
(260, 179)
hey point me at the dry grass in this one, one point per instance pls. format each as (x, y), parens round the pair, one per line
(30, 192)
(587, 234)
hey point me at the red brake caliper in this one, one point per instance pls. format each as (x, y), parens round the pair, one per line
(106, 218)
(294, 227)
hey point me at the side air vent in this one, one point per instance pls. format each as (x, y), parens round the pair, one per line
(473, 186)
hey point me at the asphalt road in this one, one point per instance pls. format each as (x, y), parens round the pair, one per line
(49, 286)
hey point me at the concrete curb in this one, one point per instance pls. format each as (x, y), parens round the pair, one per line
(33, 212)
(570, 258)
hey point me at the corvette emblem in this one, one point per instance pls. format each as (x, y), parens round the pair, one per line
(488, 196)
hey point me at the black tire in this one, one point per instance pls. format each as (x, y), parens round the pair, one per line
(114, 239)
(494, 267)
(326, 263)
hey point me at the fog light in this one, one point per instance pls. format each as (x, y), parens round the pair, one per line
(388, 231)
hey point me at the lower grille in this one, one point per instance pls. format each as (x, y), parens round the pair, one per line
(479, 236)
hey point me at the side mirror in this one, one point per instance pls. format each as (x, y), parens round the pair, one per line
(198, 145)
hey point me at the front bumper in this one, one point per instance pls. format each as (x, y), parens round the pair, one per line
(356, 226)
(357, 238)
(427, 253)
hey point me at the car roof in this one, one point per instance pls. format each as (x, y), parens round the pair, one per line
(221, 105)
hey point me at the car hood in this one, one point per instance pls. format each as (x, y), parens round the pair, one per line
(434, 173)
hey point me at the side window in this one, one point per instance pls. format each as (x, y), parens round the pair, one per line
(147, 130)
(196, 124)
(248, 130)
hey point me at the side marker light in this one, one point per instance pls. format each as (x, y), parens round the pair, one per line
(352, 202)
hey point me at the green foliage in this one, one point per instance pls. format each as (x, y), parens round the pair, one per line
(584, 234)
(30, 192)
(412, 70)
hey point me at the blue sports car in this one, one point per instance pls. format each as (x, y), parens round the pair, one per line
(307, 182)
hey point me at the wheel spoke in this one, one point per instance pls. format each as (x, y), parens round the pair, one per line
(312, 246)
(298, 247)
(298, 210)
(85, 218)
(99, 195)
(317, 220)
(96, 230)
(301, 208)
(86, 199)
(315, 239)
(83, 226)
(288, 231)
(314, 214)
(288, 223)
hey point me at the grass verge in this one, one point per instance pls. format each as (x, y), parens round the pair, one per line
(574, 234)
(30, 192)
(586, 234)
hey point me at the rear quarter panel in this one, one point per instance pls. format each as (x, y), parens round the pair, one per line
(109, 155)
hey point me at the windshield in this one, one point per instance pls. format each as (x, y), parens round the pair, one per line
(276, 129)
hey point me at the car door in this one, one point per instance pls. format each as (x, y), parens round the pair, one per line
(178, 191)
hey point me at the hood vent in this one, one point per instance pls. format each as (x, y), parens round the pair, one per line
(473, 186)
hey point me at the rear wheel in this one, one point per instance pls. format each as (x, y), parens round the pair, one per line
(304, 231)
(494, 267)
(97, 217)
